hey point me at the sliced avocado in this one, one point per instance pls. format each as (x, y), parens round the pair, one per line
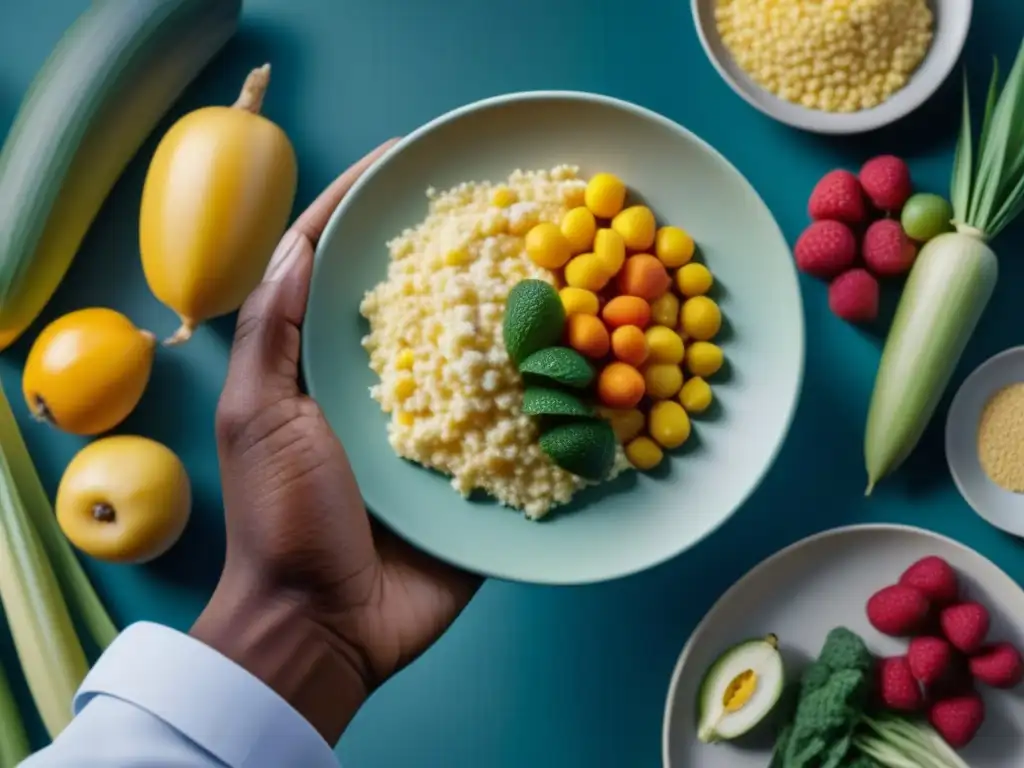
(585, 448)
(559, 364)
(740, 690)
(543, 401)
(534, 319)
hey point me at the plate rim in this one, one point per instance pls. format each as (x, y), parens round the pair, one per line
(842, 125)
(952, 421)
(771, 560)
(665, 122)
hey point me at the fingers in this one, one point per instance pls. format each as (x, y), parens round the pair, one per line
(313, 220)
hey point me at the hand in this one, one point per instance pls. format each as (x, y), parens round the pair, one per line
(314, 599)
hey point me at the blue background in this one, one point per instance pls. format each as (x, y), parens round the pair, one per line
(528, 676)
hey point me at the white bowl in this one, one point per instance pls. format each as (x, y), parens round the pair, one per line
(1003, 509)
(952, 20)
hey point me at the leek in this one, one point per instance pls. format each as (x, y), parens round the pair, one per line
(78, 591)
(14, 745)
(952, 279)
(52, 659)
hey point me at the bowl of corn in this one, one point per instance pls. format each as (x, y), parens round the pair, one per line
(833, 66)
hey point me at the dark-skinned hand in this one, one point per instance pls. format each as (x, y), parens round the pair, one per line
(316, 600)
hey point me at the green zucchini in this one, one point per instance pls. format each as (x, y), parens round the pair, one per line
(114, 74)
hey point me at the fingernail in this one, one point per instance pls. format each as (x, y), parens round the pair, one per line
(284, 256)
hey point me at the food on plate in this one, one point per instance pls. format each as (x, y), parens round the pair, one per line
(853, 296)
(14, 744)
(886, 248)
(740, 689)
(629, 345)
(87, 370)
(935, 578)
(636, 227)
(544, 401)
(620, 385)
(588, 336)
(930, 659)
(965, 625)
(898, 610)
(704, 359)
(926, 216)
(838, 721)
(695, 395)
(998, 665)
(825, 249)
(216, 200)
(665, 345)
(1000, 437)
(547, 247)
(694, 280)
(643, 453)
(674, 246)
(950, 283)
(886, 181)
(669, 424)
(700, 318)
(626, 310)
(610, 250)
(534, 319)
(838, 196)
(662, 380)
(665, 310)
(436, 339)
(579, 301)
(124, 499)
(824, 57)
(645, 276)
(897, 686)
(100, 93)
(585, 448)
(579, 227)
(958, 719)
(559, 365)
(605, 195)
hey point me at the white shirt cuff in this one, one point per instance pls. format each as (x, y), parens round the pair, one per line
(206, 697)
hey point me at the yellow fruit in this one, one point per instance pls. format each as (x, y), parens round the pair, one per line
(694, 280)
(585, 271)
(87, 370)
(579, 301)
(124, 499)
(700, 318)
(626, 423)
(695, 396)
(503, 197)
(669, 424)
(673, 246)
(665, 345)
(665, 310)
(578, 226)
(636, 225)
(662, 380)
(605, 195)
(547, 247)
(703, 358)
(643, 453)
(610, 250)
(217, 198)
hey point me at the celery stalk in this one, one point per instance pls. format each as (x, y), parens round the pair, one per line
(14, 745)
(78, 591)
(50, 652)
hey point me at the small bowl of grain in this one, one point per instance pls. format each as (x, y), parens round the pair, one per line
(985, 440)
(829, 69)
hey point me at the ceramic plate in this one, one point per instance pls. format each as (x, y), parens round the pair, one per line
(952, 21)
(1003, 509)
(804, 591)
(636, 522)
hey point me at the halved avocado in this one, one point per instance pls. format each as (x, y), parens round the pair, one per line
(740, 690)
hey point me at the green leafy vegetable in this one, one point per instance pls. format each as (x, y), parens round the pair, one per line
(833, 727)
(14, 746)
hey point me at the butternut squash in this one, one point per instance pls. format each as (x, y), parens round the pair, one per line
(216, 200)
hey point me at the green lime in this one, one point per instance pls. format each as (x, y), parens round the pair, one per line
(926, 216)
(559, 364)
(584, 448)
(534, 318)
(542, 401)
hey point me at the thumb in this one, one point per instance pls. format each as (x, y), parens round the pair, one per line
(264, 365)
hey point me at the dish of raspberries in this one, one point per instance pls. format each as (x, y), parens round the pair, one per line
(855, 236)
(949, 652)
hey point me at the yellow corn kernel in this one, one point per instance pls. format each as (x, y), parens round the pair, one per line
(457, 257)
(404, 387)
(406, 419)
(405, 360)
(503, 197)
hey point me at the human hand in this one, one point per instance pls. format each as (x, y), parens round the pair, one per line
(314, 599)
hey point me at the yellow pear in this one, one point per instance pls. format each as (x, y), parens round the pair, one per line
(124, 499)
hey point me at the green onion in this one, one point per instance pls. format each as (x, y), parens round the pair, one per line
(14, 745)
(52, 658)
(952, 279)
(78, 591)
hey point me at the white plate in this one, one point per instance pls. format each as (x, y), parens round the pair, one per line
(1003, 509)
(822, 582)
(952, 21)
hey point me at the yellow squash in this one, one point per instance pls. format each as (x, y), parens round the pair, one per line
(217, 198)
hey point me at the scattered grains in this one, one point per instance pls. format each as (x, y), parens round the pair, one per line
(830, 55)
(1001, 438)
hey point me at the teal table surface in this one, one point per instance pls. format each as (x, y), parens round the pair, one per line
(528, 676)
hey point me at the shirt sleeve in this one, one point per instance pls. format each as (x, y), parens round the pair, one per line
(161, 697)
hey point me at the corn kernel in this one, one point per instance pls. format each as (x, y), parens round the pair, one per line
(503, 197)
(405, 360)
(404, 388)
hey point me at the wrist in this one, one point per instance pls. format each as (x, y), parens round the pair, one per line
(274, 639)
